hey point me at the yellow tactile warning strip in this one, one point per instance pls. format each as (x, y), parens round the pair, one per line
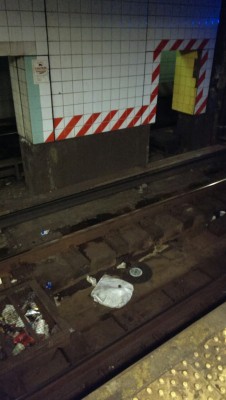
(199, 350)
(202, 376)
(183, 382)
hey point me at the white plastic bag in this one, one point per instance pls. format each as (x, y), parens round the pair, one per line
(112, 292)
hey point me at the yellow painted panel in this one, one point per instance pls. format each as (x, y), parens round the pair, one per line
(184, 90)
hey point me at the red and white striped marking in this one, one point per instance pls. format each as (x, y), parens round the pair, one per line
(99, 122)
(187, 45)
(201, 99)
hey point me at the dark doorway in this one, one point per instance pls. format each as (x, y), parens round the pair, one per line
(163, 140)
(9, 139)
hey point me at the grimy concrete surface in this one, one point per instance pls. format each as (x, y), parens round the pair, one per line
(26, 235)
(16, 195)
(190, 366)
(168, 260)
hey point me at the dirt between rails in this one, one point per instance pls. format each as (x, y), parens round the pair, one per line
(24, 236)
(180, 247)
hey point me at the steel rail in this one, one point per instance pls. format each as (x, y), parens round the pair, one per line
(78, 380)
(104, 190)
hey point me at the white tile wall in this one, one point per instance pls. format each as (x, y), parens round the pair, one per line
(101, 52)
(20, 97)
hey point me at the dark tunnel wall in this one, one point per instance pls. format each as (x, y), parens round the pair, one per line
(204, 130)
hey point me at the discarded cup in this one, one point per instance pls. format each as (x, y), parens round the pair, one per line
(18, 348)
(40, 327)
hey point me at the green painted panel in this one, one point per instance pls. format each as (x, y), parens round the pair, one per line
(167, 66)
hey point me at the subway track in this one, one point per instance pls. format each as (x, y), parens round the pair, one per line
(214, 161)
(180, 240)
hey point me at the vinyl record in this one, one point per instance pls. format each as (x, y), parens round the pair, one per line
(137, 272)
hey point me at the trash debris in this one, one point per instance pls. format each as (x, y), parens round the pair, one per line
(49, 285)
(57, 299)
(18, 348)
(55, 330)
(91, 280)
(121, 266)
(13, 280)
(39, 326)
(33, 313)
(142, 188)
(218, 214)
(15, 331)
(35, 317)
(45, 232)
(0, 281)
(24, 338)
(158, 249)
(112, 292)
(11, 317)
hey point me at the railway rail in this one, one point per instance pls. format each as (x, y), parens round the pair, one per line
(158, 172)
(179, 244)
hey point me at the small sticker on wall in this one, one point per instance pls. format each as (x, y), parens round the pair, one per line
(40, 71)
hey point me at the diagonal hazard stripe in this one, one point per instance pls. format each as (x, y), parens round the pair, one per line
(150, 116)
(106, 121)
(123, 117)
(201, 108)
(137, 116)
(68, 128)
(177, 44)
(155, 73)
(204, 59)
(190, 44)
(154, 93)
(90, 121)
(56, 121)
(160, 47)
(51, 137)
(203, 44)
(201, 79)
(198, 98)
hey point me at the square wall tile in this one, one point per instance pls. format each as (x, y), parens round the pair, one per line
(15, 34)
(4, 33)
(25, 5)
(67, 74)
(53, 34)
(57, 100)
(57, 87)
(55, 74)
(40, 34)
(66, 61)
(41, 48)
(3, 18)
(13, 18)
(28, 32)
(38, 5)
